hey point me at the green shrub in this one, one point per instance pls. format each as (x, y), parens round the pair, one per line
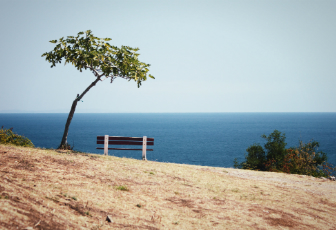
(275, 157)
(275, 148)
(274, 151)
(255, 158)
(122, 188)
(7, 136)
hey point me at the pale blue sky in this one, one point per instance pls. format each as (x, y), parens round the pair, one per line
(207, 56)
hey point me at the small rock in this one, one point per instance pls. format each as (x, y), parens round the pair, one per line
(332, 178)
(109, 219)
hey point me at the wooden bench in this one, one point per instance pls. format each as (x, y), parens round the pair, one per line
(116, 140)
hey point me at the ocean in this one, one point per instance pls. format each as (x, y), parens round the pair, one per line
(211, 139)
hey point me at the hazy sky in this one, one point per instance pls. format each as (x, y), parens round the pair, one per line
(206, 56)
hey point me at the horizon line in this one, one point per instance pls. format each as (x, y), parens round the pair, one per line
(143, 112)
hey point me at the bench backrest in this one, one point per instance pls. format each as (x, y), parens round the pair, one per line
(117, 140)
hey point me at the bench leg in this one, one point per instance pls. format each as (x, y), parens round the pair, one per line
(144, 147)
(106, 140)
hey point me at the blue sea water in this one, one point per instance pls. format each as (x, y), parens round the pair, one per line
(212, 139)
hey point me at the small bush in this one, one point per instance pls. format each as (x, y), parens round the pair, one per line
(272, 154)
(304, 160)
(274, 157)
(87, 213)
(122, 188)
(7, 136)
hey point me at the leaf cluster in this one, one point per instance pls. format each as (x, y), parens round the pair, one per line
(7, 136)
(274, 150)
(275, 157)
(305, 160)
(87, 51)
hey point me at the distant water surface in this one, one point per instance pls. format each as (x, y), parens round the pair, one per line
(212, 139)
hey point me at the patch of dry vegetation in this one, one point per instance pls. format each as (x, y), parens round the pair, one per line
(46, 189)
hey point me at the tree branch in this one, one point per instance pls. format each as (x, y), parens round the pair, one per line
(88, 88)
(96, 73)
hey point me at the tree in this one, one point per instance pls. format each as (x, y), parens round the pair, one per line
(275, 148)
(105, 61)
(272, 155)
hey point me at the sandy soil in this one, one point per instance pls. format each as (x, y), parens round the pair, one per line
(45, 189)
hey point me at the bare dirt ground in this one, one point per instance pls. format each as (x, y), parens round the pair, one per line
(46, 189)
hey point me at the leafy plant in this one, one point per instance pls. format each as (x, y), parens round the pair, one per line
(87, 213)
(275, 147)
(271, 156)
(7, 136)
(256, 157)
(306, 160)
(122, 188)
(275, 157)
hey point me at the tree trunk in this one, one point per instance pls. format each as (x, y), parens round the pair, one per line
(64, 143)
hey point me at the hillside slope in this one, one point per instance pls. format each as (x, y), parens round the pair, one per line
(46, 189)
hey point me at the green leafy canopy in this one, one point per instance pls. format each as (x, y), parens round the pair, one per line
(86, 51)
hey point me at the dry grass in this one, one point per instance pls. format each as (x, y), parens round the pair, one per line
(45, 189)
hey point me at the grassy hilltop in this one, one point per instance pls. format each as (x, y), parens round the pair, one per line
(47, 189)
